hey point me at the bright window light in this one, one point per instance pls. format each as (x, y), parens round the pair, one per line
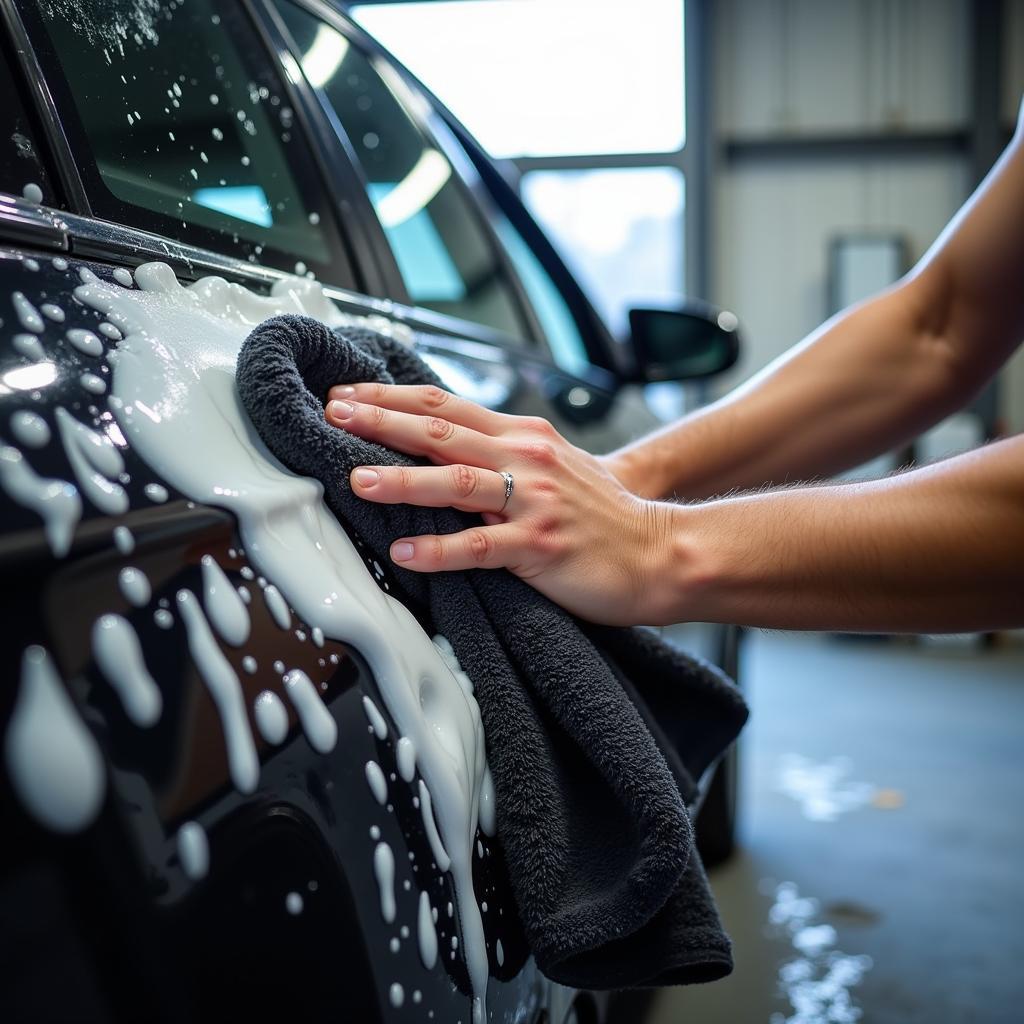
(324, 56)
(620, 230)
(547, 77)
(245, 202)
(28, 378)
(427, 177)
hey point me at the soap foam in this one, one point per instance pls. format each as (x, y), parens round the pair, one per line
(173, 376)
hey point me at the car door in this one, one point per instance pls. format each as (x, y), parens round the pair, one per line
(196, 857)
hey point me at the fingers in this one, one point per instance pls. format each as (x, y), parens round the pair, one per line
(424, 400)
(440, 440)
(484, 547)
(463, 487)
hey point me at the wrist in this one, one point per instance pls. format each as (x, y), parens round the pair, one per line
(681, 573)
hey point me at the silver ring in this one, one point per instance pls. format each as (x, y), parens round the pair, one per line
(510, 485)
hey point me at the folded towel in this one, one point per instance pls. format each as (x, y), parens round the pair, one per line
(594, 735)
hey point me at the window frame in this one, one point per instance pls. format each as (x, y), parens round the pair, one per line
(692, 159)
(473, 193)
(69, 144)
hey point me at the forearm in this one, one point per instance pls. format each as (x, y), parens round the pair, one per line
(862, 384)
(870, 379)
(937, 549)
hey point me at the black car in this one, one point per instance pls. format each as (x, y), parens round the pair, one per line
(207, 810)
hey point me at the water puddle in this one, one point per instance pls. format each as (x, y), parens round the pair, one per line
(817, 981)
(823, 789)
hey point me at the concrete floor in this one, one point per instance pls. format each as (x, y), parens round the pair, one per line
(918, 879)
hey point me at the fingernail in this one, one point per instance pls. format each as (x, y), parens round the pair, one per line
(339, 410)
(402, 551)
(344, 391)
(365, 477)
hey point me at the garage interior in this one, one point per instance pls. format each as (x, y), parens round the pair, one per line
(758, 166)
(875, 876)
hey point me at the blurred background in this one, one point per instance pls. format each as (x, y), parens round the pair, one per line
(784, 159)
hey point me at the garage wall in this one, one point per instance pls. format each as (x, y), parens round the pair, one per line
(789, 71)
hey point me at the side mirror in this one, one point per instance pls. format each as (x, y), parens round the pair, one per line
(683, 344)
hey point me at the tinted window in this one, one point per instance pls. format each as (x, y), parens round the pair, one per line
(22, 172)
(442, 250)
(559, 325)
(191, 132)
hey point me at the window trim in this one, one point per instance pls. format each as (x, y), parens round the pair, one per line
(44, 108)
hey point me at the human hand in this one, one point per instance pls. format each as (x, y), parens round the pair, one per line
(569, 529)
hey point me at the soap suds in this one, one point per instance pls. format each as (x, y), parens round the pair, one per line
(193, 850)
(224, 608)
(177, 362)
(226, 692)
(376, 719)
(55, 501)
(317, 722)
(53, 762)
(96, 463)
(134, 586)
(118, 653)
(270, 714)
(384, 871)
(29, 429)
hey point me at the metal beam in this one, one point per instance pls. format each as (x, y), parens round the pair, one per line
(847, 146)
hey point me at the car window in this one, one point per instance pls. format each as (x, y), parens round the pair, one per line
(189, 129)
(22, 171)
(443, 252)
(561, 331)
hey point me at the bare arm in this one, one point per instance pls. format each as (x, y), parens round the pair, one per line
(940, 548)
(934, 550)
(869, 379)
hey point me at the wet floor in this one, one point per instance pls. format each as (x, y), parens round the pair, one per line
(881, 875)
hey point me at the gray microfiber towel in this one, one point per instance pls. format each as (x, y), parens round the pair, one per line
(594, 735)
